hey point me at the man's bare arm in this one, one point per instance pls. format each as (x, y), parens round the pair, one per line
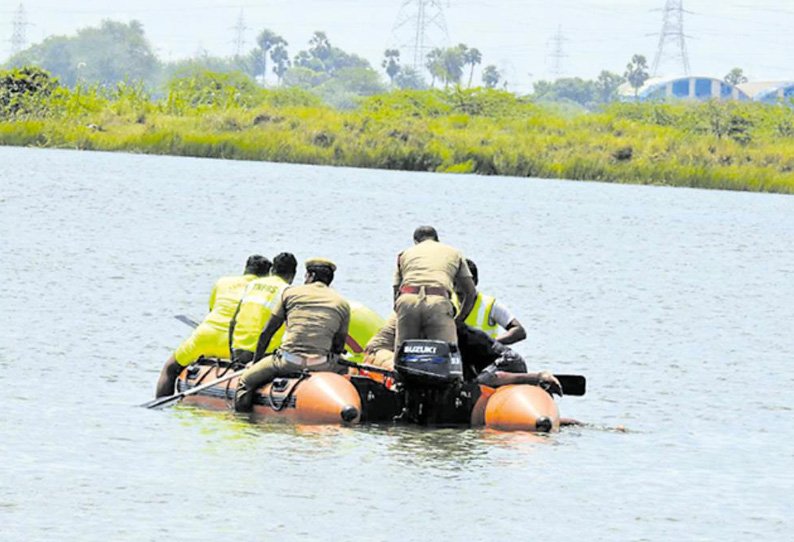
(514, 332)
(273, 325)
(469, 293)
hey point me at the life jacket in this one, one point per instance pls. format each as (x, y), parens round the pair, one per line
(480, 315)
(224, 300)
(256, 307)
(364, 324)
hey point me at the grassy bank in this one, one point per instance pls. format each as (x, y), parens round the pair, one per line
(725, 146)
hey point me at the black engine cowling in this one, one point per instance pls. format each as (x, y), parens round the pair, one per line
(430, 364)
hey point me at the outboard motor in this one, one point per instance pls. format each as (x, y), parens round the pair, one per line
(429, 363)
(432, 376)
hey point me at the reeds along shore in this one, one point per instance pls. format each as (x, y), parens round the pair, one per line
(734, 146)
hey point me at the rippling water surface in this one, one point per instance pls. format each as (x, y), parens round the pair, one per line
(677, 304)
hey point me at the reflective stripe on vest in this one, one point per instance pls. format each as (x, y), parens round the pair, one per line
(364, 324)
(256, 307)
(480, 315)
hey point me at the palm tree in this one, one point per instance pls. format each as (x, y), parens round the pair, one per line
(472, 57)
(637, 73)
(266, 40)
(280, 60)
(490, 76)
(391, 62)
(433, 65)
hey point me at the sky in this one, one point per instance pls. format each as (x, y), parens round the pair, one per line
(515, 35)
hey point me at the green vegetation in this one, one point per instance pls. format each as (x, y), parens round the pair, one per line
(737, 146)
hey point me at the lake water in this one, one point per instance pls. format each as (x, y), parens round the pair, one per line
(677, 304)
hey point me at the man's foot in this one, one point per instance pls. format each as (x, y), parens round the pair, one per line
(243, 399)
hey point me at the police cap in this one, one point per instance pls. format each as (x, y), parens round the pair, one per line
(320, 262)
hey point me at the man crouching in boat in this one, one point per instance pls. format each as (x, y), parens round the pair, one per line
(257, 306)
(317, 320)
(211, 337)
(380, 348)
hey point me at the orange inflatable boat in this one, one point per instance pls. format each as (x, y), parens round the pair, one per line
(363, 396)
(313, 398)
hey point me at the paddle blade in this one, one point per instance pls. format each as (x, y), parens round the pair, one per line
(575, 385)
(160, 401)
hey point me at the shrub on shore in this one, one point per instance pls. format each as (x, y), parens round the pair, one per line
(737, 146)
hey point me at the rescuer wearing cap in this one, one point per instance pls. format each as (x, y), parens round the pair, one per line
(256, 307)
(211, 336)
(317, 320)
(426, 278)
(489, 315)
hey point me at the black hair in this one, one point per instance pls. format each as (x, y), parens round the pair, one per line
(284, 265)
(257, 265)
(423, 233)
(322, 273)
(473, 269)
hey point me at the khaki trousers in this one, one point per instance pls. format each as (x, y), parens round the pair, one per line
(273, 365)
(421, 316)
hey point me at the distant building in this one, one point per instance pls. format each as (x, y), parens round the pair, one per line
(682, 88)
(769, 91)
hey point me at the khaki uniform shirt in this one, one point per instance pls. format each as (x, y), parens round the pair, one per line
(384, 338)
(314, 314)
(430, 263)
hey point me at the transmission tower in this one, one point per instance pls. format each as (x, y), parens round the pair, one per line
(557, 43)
(239, 34)
(420, 27)
(18, 37)
(672, 40)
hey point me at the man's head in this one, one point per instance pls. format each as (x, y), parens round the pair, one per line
(473, 269)
(423, 233)
(284, 266)
(257, 265)
(320, 270)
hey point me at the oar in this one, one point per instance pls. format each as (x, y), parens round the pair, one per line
(574, 385)
(186, 320)
(161, 401)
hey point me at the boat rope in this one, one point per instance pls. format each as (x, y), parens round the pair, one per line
(303, 376)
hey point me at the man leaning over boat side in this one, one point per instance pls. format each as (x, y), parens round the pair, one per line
(211, 336)
(427, 276)
(488, 314)
(491, 363)
(256, 307)
(317, 320)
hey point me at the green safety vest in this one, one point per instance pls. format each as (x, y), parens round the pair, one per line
(364, 324)
(480, 315)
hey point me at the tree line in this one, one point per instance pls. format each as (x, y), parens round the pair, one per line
(116, 51)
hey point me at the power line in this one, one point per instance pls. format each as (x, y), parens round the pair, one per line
(239, 34)
(420, 27)
(672, 40)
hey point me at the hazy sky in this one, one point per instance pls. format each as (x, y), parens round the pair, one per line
(756, 35)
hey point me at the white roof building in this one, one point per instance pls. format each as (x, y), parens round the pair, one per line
(682, 88)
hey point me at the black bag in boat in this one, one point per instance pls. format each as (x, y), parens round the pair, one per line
(429, 363)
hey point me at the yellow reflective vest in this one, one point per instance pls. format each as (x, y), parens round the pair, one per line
(256, 307)
(364, 324)
(480, 315)
(224, 299)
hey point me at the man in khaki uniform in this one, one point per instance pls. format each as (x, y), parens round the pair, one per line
(316, 319)
(427, 275)
(380, 348)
